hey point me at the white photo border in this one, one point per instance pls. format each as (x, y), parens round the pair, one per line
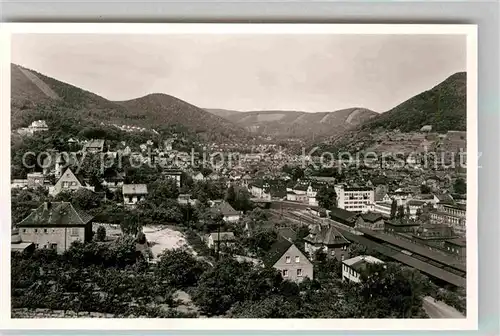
(469, 323)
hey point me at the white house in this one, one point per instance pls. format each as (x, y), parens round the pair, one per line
(228, 212)
(133, 193)
(224, 238)
(352, 268)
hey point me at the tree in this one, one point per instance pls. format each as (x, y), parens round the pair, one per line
(85, 199)
(389, 290)
(460, 187)
(327, 197)
(425, 189)
(394, 208)
(161, 190)
(401, 212)
(179, 268)
(407, 211)
(101, 233)
(231, 196)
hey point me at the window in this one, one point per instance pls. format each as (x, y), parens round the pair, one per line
(24, 230)
(287, 260)
(36, 245)
(74, 232)
(44, 230)
(53, 246)
(342, 257)
(36, 230)
(333, 252)
(299, 272)
(285, 273)
(297, 259)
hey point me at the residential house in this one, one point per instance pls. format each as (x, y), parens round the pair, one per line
(289, 260)
(198, 176)
(95, 146)
(230, 215)
(354, 199)
(35, 180)
(174, 174)
(354, 267)
(133, 193)
(329, 240)
(56, 225)
(17, 245)
(260, 189)
(185, 199)
(38, 126)
(113, 179)
(401, 197)
(19, 183)
(415, 206)
(371, 220)
(222, 239)
(69, 181)
(343, 217)
(457, 246)
(311, 194)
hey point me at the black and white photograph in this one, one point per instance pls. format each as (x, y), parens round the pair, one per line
(235, 171)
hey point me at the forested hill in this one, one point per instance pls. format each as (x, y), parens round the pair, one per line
(34, 95)
(443, 107)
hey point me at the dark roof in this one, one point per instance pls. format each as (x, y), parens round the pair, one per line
(225, 208)
(224, 236)
(287, 233)
(397, 222)
(372, 217)
(79, 177)
(358, 189)
(343, 216)
(56, 214)
(277, 250)
(457, 241)
(416, 202)
(445, 198)
(326, 235)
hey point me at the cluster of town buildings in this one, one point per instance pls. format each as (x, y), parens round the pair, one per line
(364, 200)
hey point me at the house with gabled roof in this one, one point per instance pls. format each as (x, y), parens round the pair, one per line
(371, 220)
(94, 146)
(287, 258)
(69, 181)
(133, 193)
(227, 211)
(328, 239)
(56, 225)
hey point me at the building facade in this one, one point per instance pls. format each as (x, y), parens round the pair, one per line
(68, 181)
(452, 215)
(352, 268)
(290, 261)
(133, 193)
(56, 226)
(329, 240)
(355, 199)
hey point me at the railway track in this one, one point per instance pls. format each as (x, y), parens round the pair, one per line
(428, 266)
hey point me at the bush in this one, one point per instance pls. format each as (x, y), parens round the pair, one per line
(101, 234)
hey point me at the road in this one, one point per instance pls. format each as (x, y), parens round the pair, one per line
(438, 309)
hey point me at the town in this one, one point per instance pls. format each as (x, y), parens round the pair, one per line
(151, 215)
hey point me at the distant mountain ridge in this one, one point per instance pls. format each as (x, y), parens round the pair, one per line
(32, 91)
(286, 124)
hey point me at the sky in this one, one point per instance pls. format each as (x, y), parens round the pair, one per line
(312, 73)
